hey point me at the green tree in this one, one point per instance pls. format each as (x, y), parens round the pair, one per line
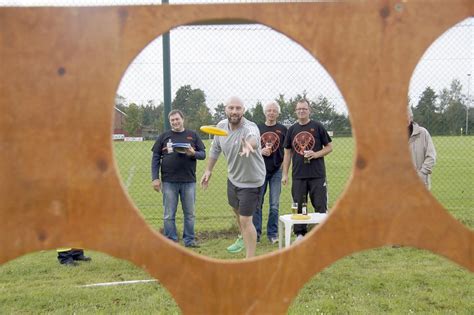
(158, 121)
(219, 113)
(282, 103)
(455, 116)
(192, 102)
(471, 121)
(133, 120)
(425, 111)
(204, 116)
(248, 115)
(341, 125)
(453, 109)
(287, 109)
(148, 113)
(322, 110)
(189, 100)
(257, 114)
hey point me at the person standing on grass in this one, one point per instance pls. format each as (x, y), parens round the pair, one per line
(422, 149)
(271, 140)
(178, 175)
(306, 145)
(245, 171)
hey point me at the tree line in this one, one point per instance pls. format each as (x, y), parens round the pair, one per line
(192, 102)
(444, 113)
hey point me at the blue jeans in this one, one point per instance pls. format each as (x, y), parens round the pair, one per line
(187, 194)
(274, 181)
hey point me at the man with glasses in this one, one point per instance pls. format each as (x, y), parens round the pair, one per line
(306, 144)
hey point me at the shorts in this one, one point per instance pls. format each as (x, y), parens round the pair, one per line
(245, 200)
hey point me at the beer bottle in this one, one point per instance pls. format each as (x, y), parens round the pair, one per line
(304, 210)
(169, 146)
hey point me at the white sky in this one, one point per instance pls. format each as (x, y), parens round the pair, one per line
(258, 63)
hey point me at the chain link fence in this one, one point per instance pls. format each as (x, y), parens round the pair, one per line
(210, 63)
(440, 95)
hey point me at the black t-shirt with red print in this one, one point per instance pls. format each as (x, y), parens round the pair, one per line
(312, 136)
(276, 136)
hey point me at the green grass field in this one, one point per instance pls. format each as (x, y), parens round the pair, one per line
(452, 182)
(383, 280)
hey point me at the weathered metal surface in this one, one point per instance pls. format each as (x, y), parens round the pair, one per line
(59, 72)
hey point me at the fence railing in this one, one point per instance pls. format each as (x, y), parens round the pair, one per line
(209, 63)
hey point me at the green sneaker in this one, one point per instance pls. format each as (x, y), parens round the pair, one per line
(238, 246)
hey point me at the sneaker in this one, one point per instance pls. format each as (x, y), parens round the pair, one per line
(299, 238)
(273, 240)
(192, 245)
(238, 246)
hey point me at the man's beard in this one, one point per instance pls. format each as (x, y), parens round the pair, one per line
(234, 120)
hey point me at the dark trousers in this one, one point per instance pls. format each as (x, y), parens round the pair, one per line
(317, 190)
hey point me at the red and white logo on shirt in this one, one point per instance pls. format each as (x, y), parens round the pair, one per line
(303, 141)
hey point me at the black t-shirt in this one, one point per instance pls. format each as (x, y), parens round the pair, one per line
(176, 167)
(311, 136)
(276, 136)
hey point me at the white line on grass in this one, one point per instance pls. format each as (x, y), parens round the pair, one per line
(131, 173)
(106, 284)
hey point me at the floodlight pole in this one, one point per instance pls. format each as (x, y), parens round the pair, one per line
(166, 77)
(468, 104)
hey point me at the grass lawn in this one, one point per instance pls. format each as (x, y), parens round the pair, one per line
(384, 280)
(451, 183)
